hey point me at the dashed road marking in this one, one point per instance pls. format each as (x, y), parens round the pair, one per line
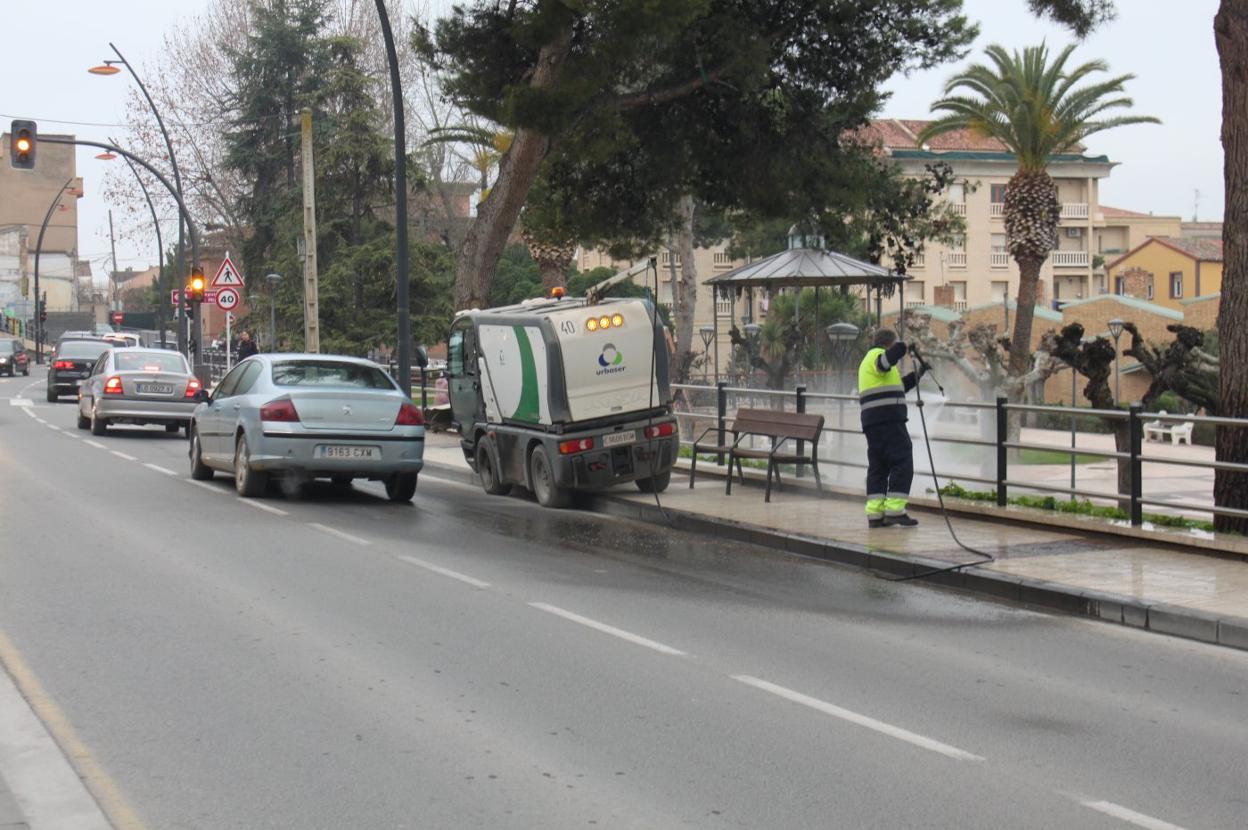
(438, 569)
(1130, 816)
(52, 426)
(203, 485)
(608, 629)
(160, 469)
(122, 455)
(268, 508)
(95, 444)
(340, 534)
(860, 720)
(21, 402)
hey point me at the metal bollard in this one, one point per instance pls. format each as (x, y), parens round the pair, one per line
(1003, 436)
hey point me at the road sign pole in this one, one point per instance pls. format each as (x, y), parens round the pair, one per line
(229, 318)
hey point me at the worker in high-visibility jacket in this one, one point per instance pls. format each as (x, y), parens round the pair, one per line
(890, 454)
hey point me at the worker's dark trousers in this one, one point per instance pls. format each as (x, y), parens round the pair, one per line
(890, 469)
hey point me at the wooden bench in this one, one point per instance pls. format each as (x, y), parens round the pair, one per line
(781, 427)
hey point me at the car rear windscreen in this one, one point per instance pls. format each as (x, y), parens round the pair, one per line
(328, 373)
(82, 349)
(8, 347)
(149, 362)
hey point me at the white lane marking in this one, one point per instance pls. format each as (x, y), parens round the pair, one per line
(160, 469)
(52, 426)
(1130, 816)
(21, 402)
(203, 485)
(437, 569)
(40, 420)
(340, 534)
(861, 720)
(31, 412)
(95, 444)
(123, 455)
(453, 482)
(608, 629)
(259, 505)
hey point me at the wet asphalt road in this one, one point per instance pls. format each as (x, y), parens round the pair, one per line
(339, 662)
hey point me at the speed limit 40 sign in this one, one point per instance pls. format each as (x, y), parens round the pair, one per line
(227, 299)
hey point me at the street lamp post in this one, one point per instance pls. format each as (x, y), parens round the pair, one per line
(1115, 331)
(38, 248)
(109, 67)
(160, 245)
(273, 280)
(708, 334)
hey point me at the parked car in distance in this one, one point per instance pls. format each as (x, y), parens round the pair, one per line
(123, 339)
(138, 386)
(306, 416)
(13, 357)
(71, 362)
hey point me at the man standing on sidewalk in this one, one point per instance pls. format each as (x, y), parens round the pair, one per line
(890, 454)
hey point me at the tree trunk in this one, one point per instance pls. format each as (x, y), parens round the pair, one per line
(1020, 340)
(687, 294)
(517, 170)
(1230, 28)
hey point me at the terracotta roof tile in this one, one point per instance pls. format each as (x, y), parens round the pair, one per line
(1206, 250)
(900, 134)
(1113, 211)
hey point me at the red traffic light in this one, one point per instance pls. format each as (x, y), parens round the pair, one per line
(23, 140)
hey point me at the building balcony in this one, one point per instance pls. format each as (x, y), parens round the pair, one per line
(960, 305)
(722, 262)
(1071, 259)
(915, 303)
(955, 259)
(996, 209)
(1074, 210)
(919, 261)
(958, 208)
(999, 259)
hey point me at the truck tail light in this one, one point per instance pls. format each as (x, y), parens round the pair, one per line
(579, 445)
(661, 430)
(112, 386)
(282, 409)
(409, 416)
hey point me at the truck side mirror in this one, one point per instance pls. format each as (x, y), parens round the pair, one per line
(420, 357)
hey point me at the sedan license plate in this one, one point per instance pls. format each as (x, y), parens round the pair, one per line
(347, 453)
(615, 439)
(155, 389)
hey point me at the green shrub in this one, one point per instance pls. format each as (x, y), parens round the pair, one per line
(1078, 507)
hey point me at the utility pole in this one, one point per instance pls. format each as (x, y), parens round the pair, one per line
(311, 309)
(115, 305)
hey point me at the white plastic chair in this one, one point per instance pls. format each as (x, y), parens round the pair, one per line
(1156, 429)
(1182, 433)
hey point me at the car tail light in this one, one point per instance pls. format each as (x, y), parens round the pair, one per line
(192, 386)
(579, 445)
(63, 364)
(661, 430)
(409, 416)
(112, 386)
(282, 409)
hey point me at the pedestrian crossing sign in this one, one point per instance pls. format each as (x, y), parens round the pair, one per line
(227, 274)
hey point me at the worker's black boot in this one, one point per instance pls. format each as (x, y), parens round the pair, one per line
(900, 521)
(875, 522)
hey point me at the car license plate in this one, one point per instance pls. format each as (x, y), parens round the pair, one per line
(347, 453)
(155, 389)
(615, 439)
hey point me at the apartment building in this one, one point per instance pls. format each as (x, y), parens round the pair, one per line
(978, 266)
(25, 197)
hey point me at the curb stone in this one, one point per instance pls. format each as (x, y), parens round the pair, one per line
(1178, 621)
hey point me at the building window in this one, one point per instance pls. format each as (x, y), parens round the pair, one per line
(1118, 286)
(1000, 291)
(957, 192)
(1176, 285)
(914, 289)
(1150, 286)
(998, 193)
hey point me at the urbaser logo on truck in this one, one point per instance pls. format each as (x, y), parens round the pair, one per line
(611, 360)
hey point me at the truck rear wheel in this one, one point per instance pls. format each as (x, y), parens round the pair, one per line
(549, 494)
(491, 480)
(655, 484)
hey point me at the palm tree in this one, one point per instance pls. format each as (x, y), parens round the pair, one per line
(1032, 106)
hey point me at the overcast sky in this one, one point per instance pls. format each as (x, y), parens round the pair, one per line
(1172, 54)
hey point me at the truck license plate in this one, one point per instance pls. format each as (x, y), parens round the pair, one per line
(349, 453)
(615, 439)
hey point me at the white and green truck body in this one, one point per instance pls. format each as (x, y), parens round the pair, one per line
(558, 395)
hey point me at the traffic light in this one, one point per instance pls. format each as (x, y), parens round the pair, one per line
(23, 136)
(195, 288)
(43, 311)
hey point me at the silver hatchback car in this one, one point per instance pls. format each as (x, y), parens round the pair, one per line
(137, 386)
(305, 416)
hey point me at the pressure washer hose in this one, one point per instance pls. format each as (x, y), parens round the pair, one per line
(940, 497)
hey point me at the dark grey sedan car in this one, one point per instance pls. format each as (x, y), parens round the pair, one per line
(305, 416)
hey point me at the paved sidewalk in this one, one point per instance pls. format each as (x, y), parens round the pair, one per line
(10, 815)
(1136, 582)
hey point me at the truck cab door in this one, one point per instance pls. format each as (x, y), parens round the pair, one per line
(464, 384)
